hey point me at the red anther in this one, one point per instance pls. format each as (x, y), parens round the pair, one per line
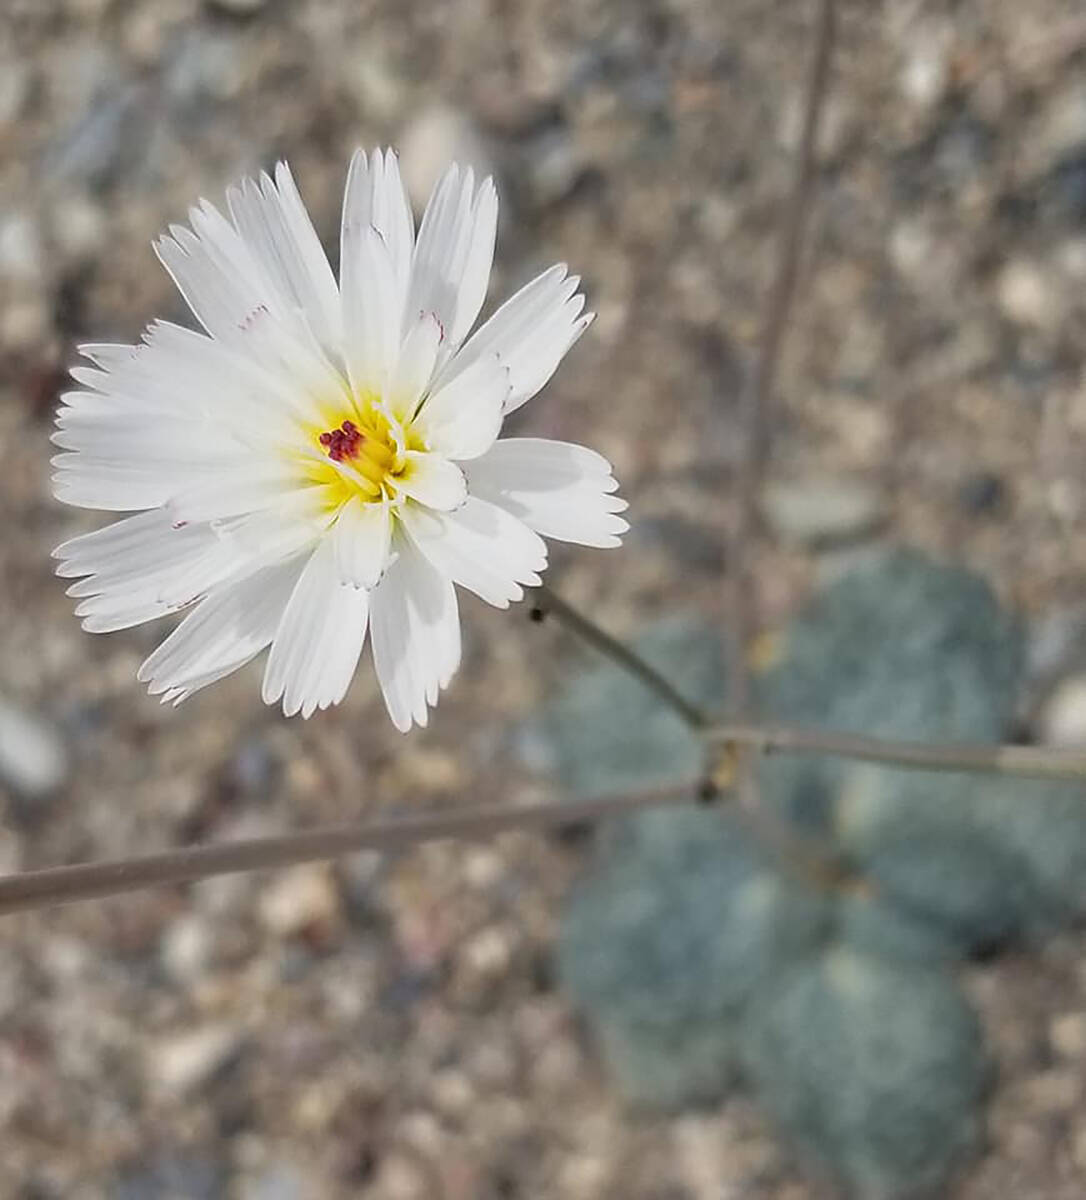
(342, 442)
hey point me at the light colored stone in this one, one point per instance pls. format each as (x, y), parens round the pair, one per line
(1025, 296)
(186, 948)
(925, 72)
(435, 138)
(78, 225)
(33, 759)
(20, 248)
(1062, 720)
(1067, 1033)
(824, 510)
(179, 1064)
(300, 898)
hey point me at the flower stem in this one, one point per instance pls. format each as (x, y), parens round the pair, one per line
(546, 603)
(62, 885)
(84, 881)
(1027, 762)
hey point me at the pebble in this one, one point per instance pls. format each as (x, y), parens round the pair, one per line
(179, 1064)
(1054, 1091)
(15, 84)
(489, 953)
(20, 248)
(434, 139)
(1061, 126)
(554, 165)
(278, 1181)
(1067, 1033)
(78, 225)
(400, 1179)
(925, 73)
(33, 759)
(1026, 297)
(299, 899)
(822, 511)
(369, 79)
(1062, 721)
(24, 324)
(186, 948)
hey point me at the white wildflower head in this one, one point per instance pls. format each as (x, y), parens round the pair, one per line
(324, 460)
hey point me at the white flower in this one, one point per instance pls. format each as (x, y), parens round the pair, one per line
(326, 459)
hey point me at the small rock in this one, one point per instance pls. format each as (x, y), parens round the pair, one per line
(925, 73)
(489, 952)
(186, 948)
(300, 899)
(400, 1179)
(824, 511)
(1061, 126)
(1067, 1033)
(376, 89)
(278, 1181)
(1062, 721)
(434, 139)
(24, 323)
(178, 1065)
(20, 248)
(1025, 296)
(1055, 639)
(78, 225)
(981, 493)
(33, 760)
(1055, 1091)
(554, 165)
(15, 84)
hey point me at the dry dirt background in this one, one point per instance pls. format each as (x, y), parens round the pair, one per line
(390, 1029)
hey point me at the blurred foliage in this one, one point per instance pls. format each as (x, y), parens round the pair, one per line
(698, 961)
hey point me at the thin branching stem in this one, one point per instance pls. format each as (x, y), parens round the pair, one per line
(62, 885)
(756, 401)
(546, 603)
(1026, 762)
(85, 881)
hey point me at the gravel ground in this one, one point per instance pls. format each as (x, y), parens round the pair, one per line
(390, 1028)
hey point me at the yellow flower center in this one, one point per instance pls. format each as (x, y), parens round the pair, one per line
(360, 456)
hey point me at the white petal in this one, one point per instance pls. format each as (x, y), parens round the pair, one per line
(481, 547)
(415, 367)
(416, 635)
(272, 220)
(139, 569)
(318, 640)
(361, 541)
(560, 490)
(222, 633)
(432, 480)
(374, 281)
(531, 332)
(454, 252)
(375, 196)
(371, 314)
(255, 485)
(462, 420)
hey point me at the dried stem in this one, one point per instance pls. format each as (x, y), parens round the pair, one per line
(62, 885)
(1026, 762)
(547, 603)
(756, 400)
